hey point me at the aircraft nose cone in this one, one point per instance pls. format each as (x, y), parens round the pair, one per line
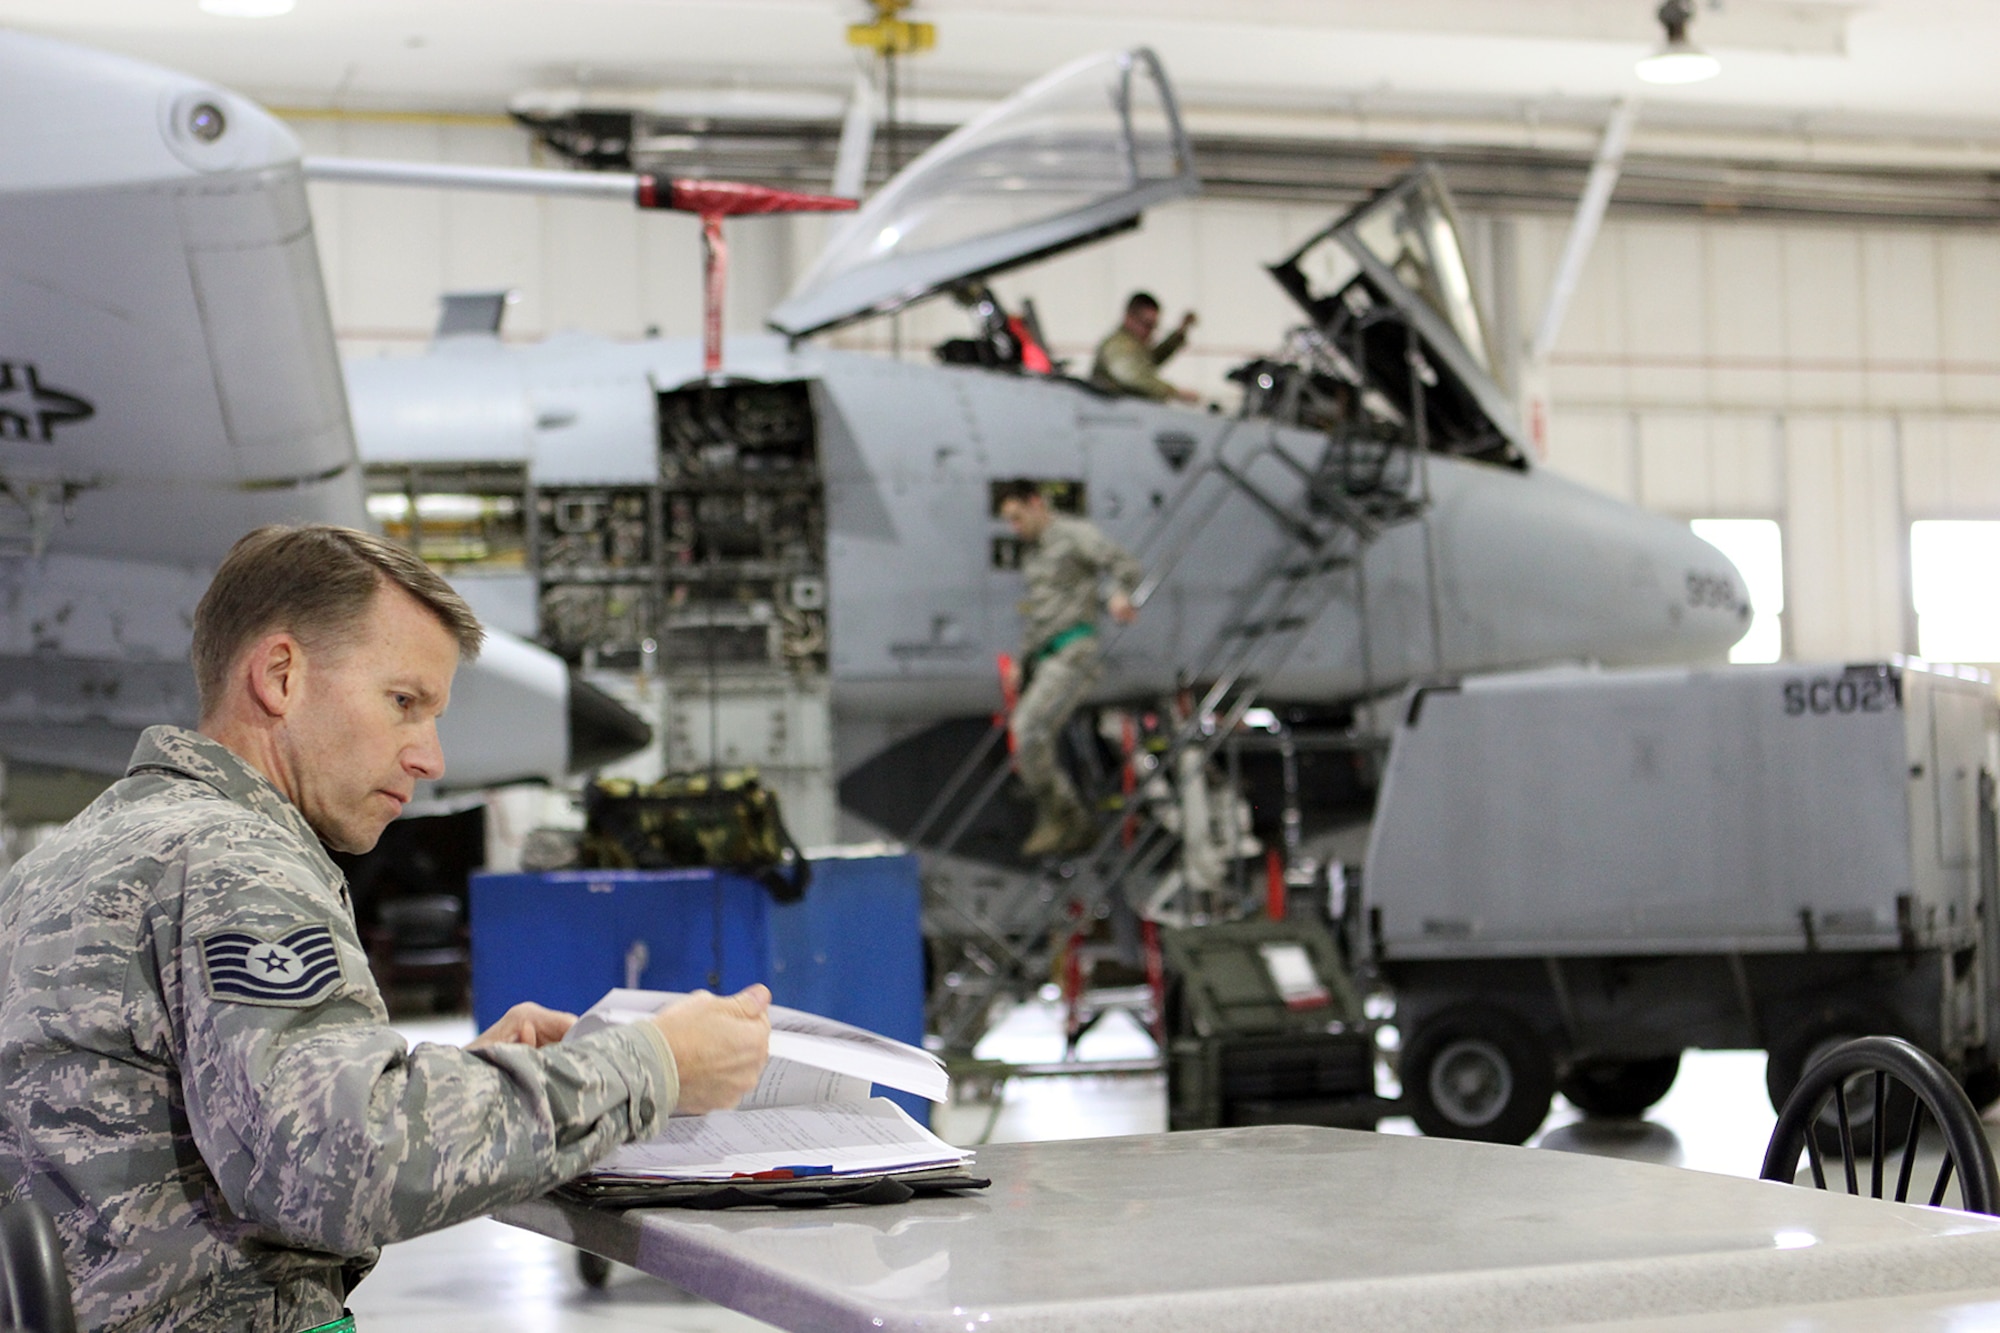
(601, 729)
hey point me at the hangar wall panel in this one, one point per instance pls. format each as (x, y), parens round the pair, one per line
(1847, 565)
(601, 266)
(1843, 380)
(1969, 318)
(1594, 446)
(1949, 467)
(1823, 319)
(1663, 315)
(1674, 471)
(1745, 330)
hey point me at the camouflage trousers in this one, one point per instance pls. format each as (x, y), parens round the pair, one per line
(1060, 682)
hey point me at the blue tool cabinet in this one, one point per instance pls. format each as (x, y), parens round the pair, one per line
(850, 949)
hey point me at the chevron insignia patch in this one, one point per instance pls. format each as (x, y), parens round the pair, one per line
(296, 971)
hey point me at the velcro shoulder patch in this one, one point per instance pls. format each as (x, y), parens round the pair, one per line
(297, 971)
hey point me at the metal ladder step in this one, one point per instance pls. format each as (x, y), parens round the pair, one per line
(1324, 534)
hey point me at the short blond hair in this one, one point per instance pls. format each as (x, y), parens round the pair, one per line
(315, 581)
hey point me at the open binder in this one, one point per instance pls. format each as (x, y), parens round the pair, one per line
(809, 1134)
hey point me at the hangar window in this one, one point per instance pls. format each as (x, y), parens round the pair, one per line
(1756, 548)
(1951, 578)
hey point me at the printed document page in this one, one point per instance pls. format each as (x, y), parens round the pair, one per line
(848, 1138)
(813, 1059)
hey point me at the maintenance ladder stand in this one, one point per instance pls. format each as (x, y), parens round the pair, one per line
(1324, 529)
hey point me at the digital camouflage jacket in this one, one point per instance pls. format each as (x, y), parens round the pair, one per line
(197, 1077)
(1125, 364)
(1064, 571)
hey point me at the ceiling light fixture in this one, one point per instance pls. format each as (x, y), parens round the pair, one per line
(1680, 60)
(246, 9)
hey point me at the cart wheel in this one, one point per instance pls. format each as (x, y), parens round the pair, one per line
(1619, 1089)
(1478, 1074)
(1982, 1085)
(1791, 1055)
(594, 1269)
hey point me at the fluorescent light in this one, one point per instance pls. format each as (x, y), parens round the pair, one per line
(1680, 60)
(247, 9)
(1689, 64)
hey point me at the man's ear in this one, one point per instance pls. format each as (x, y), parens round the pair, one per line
(275, 666)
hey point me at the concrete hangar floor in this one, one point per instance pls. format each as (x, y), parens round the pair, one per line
(490, 1277)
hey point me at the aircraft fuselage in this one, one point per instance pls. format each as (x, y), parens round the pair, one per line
(1504, 568)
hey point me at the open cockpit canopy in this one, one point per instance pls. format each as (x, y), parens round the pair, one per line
(1076, 155)
(1394, 267)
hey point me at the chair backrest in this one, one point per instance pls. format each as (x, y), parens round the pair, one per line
(34, 1287)
(1905, 1088)
(427, 922)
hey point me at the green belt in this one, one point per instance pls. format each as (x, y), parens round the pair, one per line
(1083, 629)
(344, 1324)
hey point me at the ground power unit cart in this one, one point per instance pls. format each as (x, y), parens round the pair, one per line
(1576, 875)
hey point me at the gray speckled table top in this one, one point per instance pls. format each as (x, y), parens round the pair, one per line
(1295, 1227)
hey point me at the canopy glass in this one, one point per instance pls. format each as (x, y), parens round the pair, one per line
(1075, 155)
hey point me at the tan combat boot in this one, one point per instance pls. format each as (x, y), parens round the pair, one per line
(1049, 833)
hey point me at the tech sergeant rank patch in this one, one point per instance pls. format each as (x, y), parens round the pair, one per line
(296, 971)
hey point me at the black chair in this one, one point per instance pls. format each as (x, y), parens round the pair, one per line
(34, 1287)
(1909, 1089)
(423, 941)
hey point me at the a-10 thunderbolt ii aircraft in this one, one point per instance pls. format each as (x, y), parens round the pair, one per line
(845, 498)
(1370, 518)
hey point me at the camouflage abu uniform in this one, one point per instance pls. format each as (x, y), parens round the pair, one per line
(1064, 570)
(198, 1081)
(1125, 364)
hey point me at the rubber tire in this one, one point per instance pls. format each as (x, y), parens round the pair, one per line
(1982, 1085)
(1619, 1089)
(1788, 1057)
(1465, 1056)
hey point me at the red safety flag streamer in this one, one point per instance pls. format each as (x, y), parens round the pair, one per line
(1275, 904)
(713, 201)
(715, 274)
(1009, 696)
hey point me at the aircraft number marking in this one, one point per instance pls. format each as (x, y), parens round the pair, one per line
(1822, 695)
(1711, 590)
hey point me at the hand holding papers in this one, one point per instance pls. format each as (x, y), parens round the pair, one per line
(720, 1044)
(809, 1115)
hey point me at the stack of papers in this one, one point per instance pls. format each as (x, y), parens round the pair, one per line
(809, 1115)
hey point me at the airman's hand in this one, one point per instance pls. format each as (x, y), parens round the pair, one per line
(1188, 321)
(720, 1044)
(1187, 396)
(1121, 608)
(525, 1025)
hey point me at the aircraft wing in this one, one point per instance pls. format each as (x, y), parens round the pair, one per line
(167, 367)
(1076, 155)
(168, 381)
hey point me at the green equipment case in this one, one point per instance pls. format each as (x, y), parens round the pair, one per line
(1264, 1027)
